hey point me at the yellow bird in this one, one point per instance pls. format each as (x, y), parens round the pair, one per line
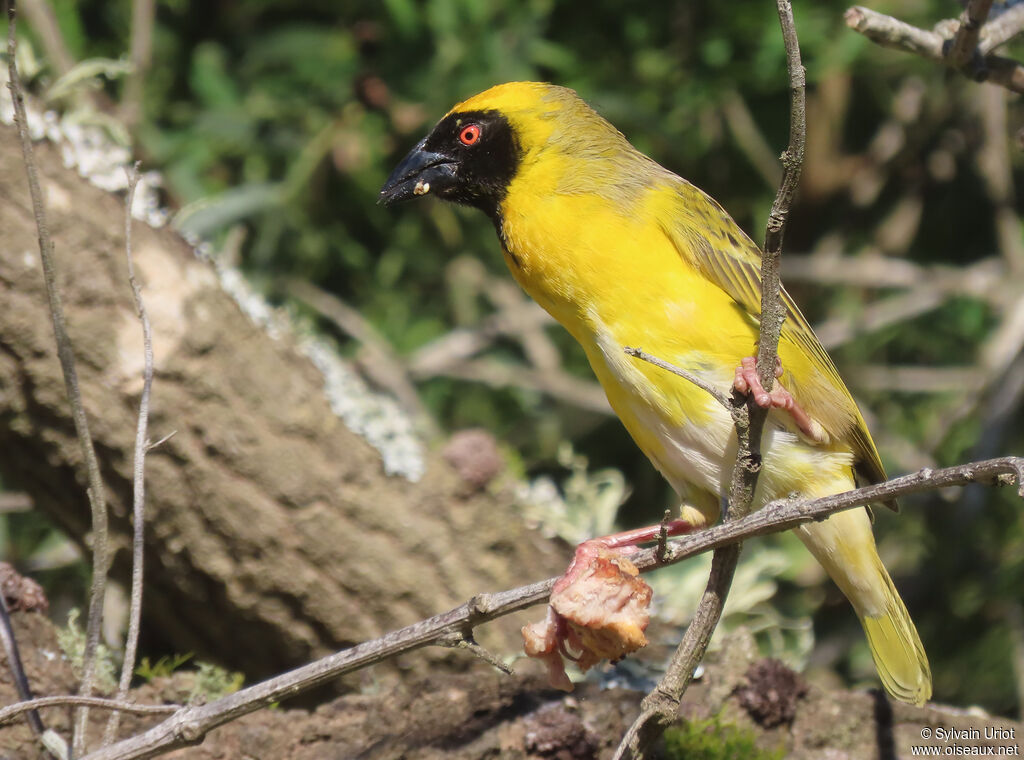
(623, 252)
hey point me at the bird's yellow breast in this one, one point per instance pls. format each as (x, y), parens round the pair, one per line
(588, 261)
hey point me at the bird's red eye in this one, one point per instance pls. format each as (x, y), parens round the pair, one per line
(469, 134)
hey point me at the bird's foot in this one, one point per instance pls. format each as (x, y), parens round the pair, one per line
(748, 382)
(617, 545)
(599, 608)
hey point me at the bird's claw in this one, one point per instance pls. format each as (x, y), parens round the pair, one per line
(748, 382)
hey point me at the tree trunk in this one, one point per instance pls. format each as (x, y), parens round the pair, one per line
(273, 534)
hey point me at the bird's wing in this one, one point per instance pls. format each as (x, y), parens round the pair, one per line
(708, 238)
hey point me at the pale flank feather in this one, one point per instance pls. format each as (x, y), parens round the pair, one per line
(711, 242)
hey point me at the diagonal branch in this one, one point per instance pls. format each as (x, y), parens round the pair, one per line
(21, 685)
(190, 724)
(700, 382)
(10, 712)
(1002, 27)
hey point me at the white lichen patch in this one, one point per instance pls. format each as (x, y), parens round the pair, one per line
(90, 149)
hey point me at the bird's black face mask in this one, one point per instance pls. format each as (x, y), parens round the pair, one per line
(468, 158)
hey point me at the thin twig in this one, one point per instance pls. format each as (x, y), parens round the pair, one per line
(10, 647)
(15, 501)
(190, 724)
(558, 384)
(138, 469)
(97, 497)
(9, 713)
(749, 138)
(143, 14)
(43, 22)
(381, 363)
(161, 441)
(893, 33)
(465, 641)
(707, 387)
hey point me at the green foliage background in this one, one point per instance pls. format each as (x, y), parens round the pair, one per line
(282, 120)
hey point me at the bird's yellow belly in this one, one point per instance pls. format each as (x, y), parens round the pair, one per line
(690, 437)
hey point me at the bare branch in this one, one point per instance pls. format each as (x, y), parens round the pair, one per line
(10, 647)
(9, 713)
(995, 168)
(138, 468)
(97, 497)
(43, 21)
(893, 33)
(981, 280)
(749, 138)
(558, 384)
(190, 724)
(462, 343)
(15, 501)
(965, 42)
(143, 14)
(918, 379)
(878, 314)
(890, 32)
(539, 349)
(381, 363)
(1002, 27)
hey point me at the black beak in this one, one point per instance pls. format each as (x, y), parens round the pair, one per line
(419, 173)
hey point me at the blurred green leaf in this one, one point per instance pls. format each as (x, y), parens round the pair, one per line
(84, 74)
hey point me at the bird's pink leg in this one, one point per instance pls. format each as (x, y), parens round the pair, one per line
(627, 541)
(747, 381)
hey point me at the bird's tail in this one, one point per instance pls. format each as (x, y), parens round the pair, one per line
(845, 547)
